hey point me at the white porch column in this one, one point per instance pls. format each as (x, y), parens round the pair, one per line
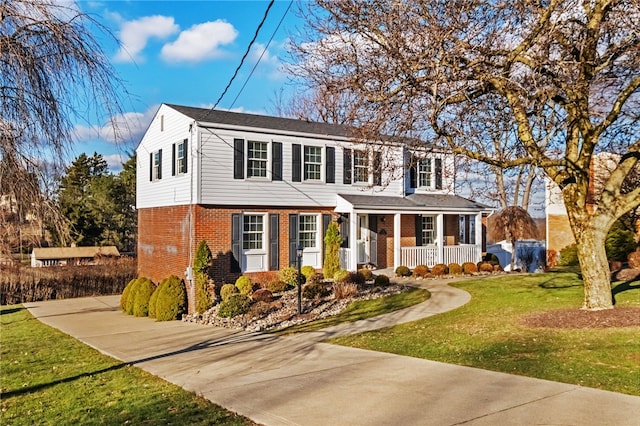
(440, 237)
(479, 236)
(353, 240)
(397, 253)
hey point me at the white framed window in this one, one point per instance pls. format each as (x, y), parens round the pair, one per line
(253, 232)
(428, 230)
(308, 231)
(467, 229)
(156, 166)
(425, 173)
(257, 157)
(360, 167)
(180, 157)
(312, 163)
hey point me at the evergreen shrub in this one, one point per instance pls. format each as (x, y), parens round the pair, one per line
(341, 275)
(153, 300)
(308, 271)
(440, 269)
(314, 290)
(244, 285)
(277, 286)
(569, 256)
(289, 275)
(381, 280)
(455, 269)
(420, 271)
(131, 297)
(469, 268)
(227, 290)
(143, 296)
(125, 295)
(403, 271)
(332, 243)
(235, 304)
(366, 273)
(171, 302)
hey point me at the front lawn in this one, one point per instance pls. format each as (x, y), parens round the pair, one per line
(49, 378)
(489, 333)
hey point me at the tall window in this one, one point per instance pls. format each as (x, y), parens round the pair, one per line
(157, 165)
(308, 230)
(312, 162)
(360, 167)
(253, 232)
(257, 159)
(424, 173)
(181, 157)
(467, 229)
(428, 230)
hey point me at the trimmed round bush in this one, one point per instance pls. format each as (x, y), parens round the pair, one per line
(569, 256)
(277, 286)
(315, 278)
(314, 290)
(245, 285)
(469, 268)
(227, 290)
(131, 297)
(341, 275)
(262, 295)
(381, 280)
(439, 269)
(143, 297)
(153, 300)
(125, 295)
(308, 271)
(171, 302)
(485, 267)
(366, 273)
(455, 269)
(403, 271)
(420, 271)
(289, 275)
(236, 304)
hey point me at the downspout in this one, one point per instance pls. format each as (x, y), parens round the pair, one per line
(189, 269)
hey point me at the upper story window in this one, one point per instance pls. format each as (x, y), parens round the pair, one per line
(308, 230)
(360, 167)
(155, 165)
(425, 173)
(428, 230)
(312, 163)
(257, 156)
(253, 232)
(179, 153)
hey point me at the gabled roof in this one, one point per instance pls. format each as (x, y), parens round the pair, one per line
(414, 202)
(215, 116)
(74, 252)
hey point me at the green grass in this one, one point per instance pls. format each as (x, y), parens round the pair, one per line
(49, 378)
(487, 333)
(363, 309)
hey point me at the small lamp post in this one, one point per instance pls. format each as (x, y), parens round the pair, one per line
(299, 250)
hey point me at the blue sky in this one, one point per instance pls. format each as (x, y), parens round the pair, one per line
(185, 52)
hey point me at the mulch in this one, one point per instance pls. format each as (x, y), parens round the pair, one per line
(578, 318)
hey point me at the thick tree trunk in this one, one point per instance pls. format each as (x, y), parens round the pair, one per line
(596, 276)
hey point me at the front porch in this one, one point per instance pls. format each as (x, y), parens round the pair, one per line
(396, 231)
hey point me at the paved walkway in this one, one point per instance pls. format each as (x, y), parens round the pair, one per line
(296, 380)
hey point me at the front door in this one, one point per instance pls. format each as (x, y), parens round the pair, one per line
(367, 239)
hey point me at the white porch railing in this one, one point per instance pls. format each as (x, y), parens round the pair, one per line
(430, 255)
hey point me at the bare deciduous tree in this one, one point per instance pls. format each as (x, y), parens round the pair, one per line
(566, 72)
(53, 73)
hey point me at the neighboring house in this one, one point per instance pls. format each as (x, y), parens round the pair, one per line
(257, 187)
(64, 256)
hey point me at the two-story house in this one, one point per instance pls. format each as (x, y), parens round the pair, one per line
(257, 187)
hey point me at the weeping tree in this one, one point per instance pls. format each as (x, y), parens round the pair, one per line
(53, 74)
(565, 73)
(512, 224)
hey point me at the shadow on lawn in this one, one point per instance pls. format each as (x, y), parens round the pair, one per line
(625, 286)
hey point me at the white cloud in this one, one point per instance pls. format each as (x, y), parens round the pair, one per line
(127, 128)
(135, 34)
(200, 42)
(115, 161)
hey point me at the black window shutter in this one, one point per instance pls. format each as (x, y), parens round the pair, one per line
(184, 159)
(274, 246)
(346, 167)
(173, 159)
(151, 167)
(160, 164)
(326, 220)
(293, 238)
(330, 172)
(236, 242)
(418, 230)
(344, 231)
(276, 161)
(377, 168)
(296, 163)
(413, 172)
(238, 158)
(438, 173)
